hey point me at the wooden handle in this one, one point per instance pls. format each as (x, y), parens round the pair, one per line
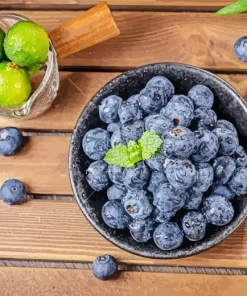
(89, 28)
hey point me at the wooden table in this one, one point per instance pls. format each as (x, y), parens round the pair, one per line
(46, 245)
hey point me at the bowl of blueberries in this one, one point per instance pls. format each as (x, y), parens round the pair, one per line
(157, 160)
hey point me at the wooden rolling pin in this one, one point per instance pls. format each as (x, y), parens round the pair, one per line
(89, 28)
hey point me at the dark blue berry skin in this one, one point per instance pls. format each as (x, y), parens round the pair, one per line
(108, 110)
(238, 182)
(136, 203)
(132, 130)
(217, 210)
(168, 236)
(224, 167)
(228, 141)
(201, 96)
(240, 157)
(179, 142)
(97, 176)
(158, 124)
(142, 230)
(116, 138)
(207, 146)
(205, 118)
(205, 176)
(114, 215)
(13, 192)
(96, 143)
(157, 178)
(181, 174)
(136, 177)
(129, 110)
(156, 162)
(194, 226)
(240, 49)
(179, 110)
(116, 174)
(105, 267)
(193, 200)
(116, 192)
(161, 216)
(223, 190)
(112, 127)
(164, 84)
(11, 140)
(225, 124)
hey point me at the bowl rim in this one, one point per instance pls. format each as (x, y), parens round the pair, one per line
(203, 246)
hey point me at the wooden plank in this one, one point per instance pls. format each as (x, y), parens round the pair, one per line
(200, 39)
(57, 231)
(76, 89)
(53, 282)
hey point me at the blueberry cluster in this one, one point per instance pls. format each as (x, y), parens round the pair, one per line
(187, 185)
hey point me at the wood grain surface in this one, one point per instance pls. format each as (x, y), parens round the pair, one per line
(75, 91)
(53, 282)
(58, 231)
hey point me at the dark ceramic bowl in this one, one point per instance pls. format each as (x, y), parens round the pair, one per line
(228, 104)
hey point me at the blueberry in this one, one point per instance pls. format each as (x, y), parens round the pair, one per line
(11, 140)
(108, 110)
(205, 118)
(238, 182)
(240, 157)
(157, 124)
(142, 230)
(97, 176)
(157, 178)
(224, 167)
(223, 190)
(205, 176)
(193, 200)
(136, 177)
(96, 143)
(161, 216)
(116, 138)
(217, 210)
(179, 143)
(164, 84)
(181, 174)
(228, 141)
(240, 49)
(112, 127)
(116, 174)
(105, 267)
(156, 162)
(129, 110)
(132, 130)
(201, 96)
(225, 124)
(136, 204)
(116, 192)
(208, 146)
(13, 192)
(168, 236)
(194, 226)
(179, 110)
(114, 215)
(152, 99)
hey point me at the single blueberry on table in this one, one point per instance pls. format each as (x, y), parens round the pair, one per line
(194, 226)
(114, 215)
(240, 49)
(11, 140)
(205, 176)
(116, 174)
(193, 200)
(116, 192)
(131, 130)
(156, 162)
(201, 96)
(105, 267)
(157, 124)
(142, 230)
(240, 157)
(225, 124)
(96, 143)
(112, 127)
(217, 210)
(161, 216)
(129, 110)
(136, 177)
(116, 138)
(223, 190)
(228, 141)
(108, 110)
(157, 178)
(238, 182)
(13, 192)
(97, 176)
(224, 167)
(205, 118)
(164, 84)
(168, 236)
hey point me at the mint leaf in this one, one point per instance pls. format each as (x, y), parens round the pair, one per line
(135, 152)
(119, 155)
(150, 143)
(234, 8)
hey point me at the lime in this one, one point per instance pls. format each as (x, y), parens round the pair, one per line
(15, 85)
(32, 70)
(26, 44)
(2, 35)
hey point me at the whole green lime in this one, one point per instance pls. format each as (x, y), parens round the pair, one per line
(2, 35)
(26, 44)
(15, 85)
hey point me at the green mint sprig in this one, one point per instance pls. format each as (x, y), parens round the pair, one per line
(234, 8)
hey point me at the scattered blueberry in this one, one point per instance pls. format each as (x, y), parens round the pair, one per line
(131, 130)
(116, 138)
(156, 162)
(129, 110)
(158, 124)
(142, 230)
(157, 178)
(116, 192)
(105, 267)
(112, 127)
(152, 99)
(136, 177)
(224, 167)
(240, 157)
(201, 96)
(223, 190)
(164, 84)
(193, 200)
(97, 176)
(206, 118)
(238, 182)
(13, 192)
(11, 140)
(240, 49)
(194, 226)
(225, 124)
(108, 110)
(228, 141)
(116, 174)
(205, 176)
